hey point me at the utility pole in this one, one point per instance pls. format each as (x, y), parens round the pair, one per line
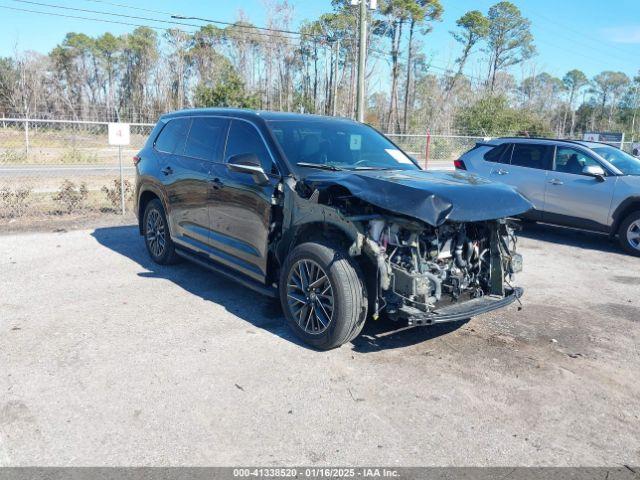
(635, 109)
(362, 62)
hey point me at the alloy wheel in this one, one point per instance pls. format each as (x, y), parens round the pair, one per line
(310, 296)
(156, 239)
(633, 234)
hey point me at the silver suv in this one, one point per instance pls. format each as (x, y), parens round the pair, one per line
(587, 185)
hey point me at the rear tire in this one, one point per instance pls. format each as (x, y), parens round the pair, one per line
(629, 233)
(157, 238)
(323, 295)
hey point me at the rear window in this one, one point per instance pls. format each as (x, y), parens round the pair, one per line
(498, 154)
(172, 137)
(206, 138)
(532, 156)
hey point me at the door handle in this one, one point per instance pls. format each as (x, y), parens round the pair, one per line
(216, 183)
(555, 181)
(500, 171)
(167, 170)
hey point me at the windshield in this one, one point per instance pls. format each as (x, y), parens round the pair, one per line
(621, 160)
(331, 144)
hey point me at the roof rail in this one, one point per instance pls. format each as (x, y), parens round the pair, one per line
(575, 142)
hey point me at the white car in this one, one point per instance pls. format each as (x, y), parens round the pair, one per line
(587, 185)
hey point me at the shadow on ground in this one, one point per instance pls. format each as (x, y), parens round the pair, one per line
(570, 237)
(384, 334)
(262, 312)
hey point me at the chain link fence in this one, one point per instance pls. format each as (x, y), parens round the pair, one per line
(435, 151)
(55, 167)
(631, 147)
(443, 149)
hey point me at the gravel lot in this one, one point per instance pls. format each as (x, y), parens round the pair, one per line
(108, 359)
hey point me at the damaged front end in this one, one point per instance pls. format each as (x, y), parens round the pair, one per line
(434, 261)
(430, 275)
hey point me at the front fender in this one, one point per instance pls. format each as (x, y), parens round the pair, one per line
(299, 213)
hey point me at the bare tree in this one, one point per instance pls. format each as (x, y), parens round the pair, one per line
(509, 39)
(573, 81)
(179, 64)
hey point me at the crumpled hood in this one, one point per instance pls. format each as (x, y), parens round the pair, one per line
(433, 197)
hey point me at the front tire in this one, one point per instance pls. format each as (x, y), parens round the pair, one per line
(156, 234)
(629, 233)
(322, 295)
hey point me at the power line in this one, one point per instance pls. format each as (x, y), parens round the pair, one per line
(568, 51)
(567, 27)
(40, 4)
(278, 39)
(80, 17)
(609, 53)
(579, 53)
(184, 24)
(181, 17)
(382, 55)
(593, 51)
(130, 7)
(187, 17)
(145, 18)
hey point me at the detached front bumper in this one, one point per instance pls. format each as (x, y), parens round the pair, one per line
(462, 310)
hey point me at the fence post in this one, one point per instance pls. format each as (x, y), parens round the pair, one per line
(426, 153)
(121, 180)
(26, 134)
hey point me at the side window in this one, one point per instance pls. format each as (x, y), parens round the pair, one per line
(571, 160)
(244, 138)
(206, 138)
(499, 154)
(173, 136)
(532, 156)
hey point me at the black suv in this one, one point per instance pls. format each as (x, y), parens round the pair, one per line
(328, 214)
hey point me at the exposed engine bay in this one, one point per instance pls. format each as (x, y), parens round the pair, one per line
(424, 268)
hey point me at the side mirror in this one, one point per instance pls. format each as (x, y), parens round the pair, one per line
(248, 163)
(595, 171)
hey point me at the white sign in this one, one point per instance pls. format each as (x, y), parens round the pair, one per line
(614, 138)
(119, 134)
(591, 137)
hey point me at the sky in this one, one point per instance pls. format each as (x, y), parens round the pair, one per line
(591, 35)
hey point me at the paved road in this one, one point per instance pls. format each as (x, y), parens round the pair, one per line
(108, 359)
(61, 171)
